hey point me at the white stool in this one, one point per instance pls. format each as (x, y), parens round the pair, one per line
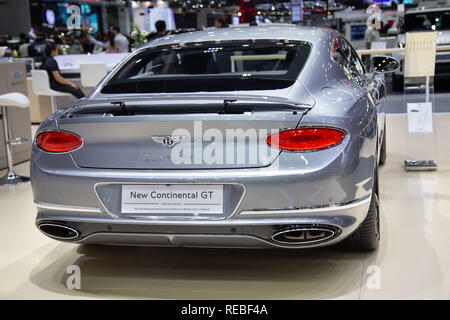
(18, 100)
(92, 73)
(41, 86)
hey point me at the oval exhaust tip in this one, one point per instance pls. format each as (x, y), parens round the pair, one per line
(58, 231)
(303, 235)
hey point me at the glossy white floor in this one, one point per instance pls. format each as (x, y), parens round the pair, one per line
(413, 260)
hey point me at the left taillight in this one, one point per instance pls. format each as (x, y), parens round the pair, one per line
(58, 141)
(306, 139)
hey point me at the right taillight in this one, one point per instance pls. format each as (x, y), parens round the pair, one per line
(306, 139)
(58, 141)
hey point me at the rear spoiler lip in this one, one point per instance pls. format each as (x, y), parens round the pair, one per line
(182, 99)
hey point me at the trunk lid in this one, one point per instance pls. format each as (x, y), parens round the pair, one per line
(178, 135)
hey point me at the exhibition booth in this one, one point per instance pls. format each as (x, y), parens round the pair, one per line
(262, 160)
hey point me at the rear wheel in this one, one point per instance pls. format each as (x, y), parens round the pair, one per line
(367, 236)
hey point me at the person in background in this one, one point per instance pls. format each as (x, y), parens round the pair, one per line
(112, 46)
(32, 33)
(23, 48)
(57, 82)
(120, 39)
(221, 22)
(161, 30)
(5, 50)
(55, 38)
(88, 46)
(37, 48)
(75, 45)
(99, 42)
(3, 41)
(63, 46)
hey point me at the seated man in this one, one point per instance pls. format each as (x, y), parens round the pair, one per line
(57, 82)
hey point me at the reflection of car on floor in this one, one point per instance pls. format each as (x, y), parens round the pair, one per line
(419, 20)
(265, 136)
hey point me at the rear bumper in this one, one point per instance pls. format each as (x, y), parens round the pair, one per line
(248, 229)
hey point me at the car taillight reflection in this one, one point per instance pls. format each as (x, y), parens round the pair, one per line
(306, 139)
(58, 141)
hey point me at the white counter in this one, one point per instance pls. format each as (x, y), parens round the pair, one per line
(70, 63)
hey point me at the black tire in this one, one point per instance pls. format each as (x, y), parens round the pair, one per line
(397, 82)
(367, 236)
(383, 154)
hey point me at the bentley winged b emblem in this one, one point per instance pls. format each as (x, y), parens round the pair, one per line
(168, 141)
(16, 74)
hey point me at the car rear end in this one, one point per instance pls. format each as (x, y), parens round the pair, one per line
(246, 169)
(292, 200)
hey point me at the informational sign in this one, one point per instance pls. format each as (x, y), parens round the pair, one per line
(172, 199)
(420, 55)
(420, 117)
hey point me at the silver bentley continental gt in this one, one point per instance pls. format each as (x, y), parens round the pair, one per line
(250, 137)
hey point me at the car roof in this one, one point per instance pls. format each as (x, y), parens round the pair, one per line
(241, 32)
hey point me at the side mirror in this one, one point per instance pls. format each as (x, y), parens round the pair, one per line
(384, 64)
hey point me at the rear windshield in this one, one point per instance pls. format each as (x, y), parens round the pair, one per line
(217, 66)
